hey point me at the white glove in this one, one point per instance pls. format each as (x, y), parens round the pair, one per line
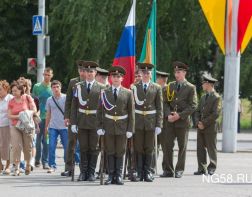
(129, 134)
(157, 130)
(74, 129)
(100, 131)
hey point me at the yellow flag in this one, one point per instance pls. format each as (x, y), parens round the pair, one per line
(247, 36)
(215, 11)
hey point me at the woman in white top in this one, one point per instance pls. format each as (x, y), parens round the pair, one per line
(4, 126)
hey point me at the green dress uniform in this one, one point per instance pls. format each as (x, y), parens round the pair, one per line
(67, 114)
(149, 116)
(163, 137)
(182, 99)
(83, 114)
(207, 112)
(116, 117)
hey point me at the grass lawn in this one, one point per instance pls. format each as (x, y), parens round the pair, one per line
(246, 115)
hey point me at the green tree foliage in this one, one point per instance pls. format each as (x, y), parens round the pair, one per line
(15, 37)
(88, 29)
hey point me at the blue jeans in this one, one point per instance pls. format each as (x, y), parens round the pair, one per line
(53, 136)
(41, 139)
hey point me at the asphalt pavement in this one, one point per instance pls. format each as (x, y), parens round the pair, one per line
(233, 178)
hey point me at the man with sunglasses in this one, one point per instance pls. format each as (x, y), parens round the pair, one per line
(149, 120)
(180, 102)
(83, 120)
(67, 113)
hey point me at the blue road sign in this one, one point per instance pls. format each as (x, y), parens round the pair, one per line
(37, 25)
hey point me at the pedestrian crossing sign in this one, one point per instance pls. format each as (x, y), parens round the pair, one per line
(37, 25)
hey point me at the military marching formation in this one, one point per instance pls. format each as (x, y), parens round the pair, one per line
(112, 119)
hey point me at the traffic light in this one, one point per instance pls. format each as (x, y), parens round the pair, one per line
(32, 66)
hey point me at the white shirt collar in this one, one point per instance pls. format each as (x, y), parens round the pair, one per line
(118, 88)
(91, 83)
(148, 83)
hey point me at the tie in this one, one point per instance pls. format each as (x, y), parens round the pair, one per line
(145, 88)
(115, 94)
(88, 87)
(207, 95)
(178, 87)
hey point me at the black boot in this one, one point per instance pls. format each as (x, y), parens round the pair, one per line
(139, 166)
(111, 169)
(91, 167)
(119, 168)
(83, 167)
(147, 169)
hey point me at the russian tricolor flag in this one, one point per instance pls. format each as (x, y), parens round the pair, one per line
(126, 50)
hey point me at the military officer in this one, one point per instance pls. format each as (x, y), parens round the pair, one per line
(162, 78)
(83, 120)
(102, 76)
(180, 103)
(116, 120)
(138, 76)
(149, 120)
(67, 113)
(206, 120)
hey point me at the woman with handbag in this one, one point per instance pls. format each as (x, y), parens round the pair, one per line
(20, 140)
(27, 89)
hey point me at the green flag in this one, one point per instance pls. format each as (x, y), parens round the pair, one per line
(148, 54)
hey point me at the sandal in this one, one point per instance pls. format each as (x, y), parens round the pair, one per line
(28, 169)
(16, 173)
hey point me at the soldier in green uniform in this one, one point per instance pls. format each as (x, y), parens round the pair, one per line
(149, 120)
(162, 78)
(67, 113)
(116, 119)
(102, 76)
(206, 120)
(83, 120)
(180, 103)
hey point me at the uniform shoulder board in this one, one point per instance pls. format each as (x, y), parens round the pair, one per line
(156, 84)
(190, 84)
(101, 84)
(79, 83)
(216, 94)
(132, 86)
(173, 82)
(126, 89)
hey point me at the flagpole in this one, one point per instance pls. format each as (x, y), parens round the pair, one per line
(41, 44)
(231, 84)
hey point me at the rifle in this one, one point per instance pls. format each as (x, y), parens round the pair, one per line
(156, 154)
(132, 159)
(102, 150)
(126, 159)
(102, 160)
(73, 159)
